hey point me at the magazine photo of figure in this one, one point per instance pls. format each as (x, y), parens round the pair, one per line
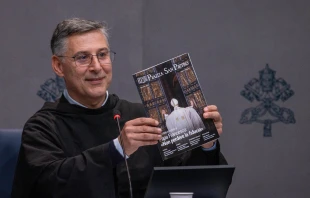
(185, 118)
(171, 94)
(182, 117)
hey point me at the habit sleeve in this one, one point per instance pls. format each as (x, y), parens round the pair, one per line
(46, 171)
(213, 157)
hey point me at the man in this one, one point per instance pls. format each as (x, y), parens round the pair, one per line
(71, 148)
(183, 118)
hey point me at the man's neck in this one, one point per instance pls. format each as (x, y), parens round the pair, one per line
(94, 105)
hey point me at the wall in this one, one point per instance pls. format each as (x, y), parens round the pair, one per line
(229, 43)
(27, 27)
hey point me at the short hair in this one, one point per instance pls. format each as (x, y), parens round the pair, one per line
(70, 27)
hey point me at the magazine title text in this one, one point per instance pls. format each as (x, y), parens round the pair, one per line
(150, 77)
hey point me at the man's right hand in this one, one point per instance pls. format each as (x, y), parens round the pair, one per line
(139, 132)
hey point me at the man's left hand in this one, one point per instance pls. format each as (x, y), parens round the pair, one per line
(211, 112)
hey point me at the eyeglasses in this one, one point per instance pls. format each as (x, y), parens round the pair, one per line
(85, 59)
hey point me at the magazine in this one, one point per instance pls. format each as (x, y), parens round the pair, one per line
(171, 94)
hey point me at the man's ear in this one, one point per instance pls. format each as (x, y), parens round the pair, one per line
(57, 66)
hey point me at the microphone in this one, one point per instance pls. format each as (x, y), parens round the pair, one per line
(117, 117)
(116, 114)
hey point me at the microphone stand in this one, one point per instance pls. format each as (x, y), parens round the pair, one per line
(117, 117)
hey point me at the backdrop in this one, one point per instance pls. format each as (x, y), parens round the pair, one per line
(251, 58)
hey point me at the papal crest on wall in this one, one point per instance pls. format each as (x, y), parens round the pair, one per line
(267, 90)
(52, 89)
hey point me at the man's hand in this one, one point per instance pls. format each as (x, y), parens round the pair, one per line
(211, 112)
(139, 132)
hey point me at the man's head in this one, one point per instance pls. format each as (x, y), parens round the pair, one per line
(81, 55)
(174, 102)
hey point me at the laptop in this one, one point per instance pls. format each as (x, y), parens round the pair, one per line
(203, 181)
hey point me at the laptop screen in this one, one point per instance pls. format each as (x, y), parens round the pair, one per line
(203, 181)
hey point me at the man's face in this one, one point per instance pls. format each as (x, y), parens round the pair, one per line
(87, 84)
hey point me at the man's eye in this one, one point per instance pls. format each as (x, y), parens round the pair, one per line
(102, 54)
(81, 57)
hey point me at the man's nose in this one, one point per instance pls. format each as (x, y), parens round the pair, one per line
(95, 64)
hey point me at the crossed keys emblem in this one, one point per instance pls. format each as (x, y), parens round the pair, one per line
(52, 89)
(267, 90)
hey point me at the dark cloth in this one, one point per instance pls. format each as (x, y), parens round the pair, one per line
(68, 151)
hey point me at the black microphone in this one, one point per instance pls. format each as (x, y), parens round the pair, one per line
(117, 117)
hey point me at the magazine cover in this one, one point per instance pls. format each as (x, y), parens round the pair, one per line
(171, 94)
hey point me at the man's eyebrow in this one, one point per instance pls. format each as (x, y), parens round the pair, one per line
(80, 52)
(86, 52)
(104, 48)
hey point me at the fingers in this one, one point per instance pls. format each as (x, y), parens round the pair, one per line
(209, 144)
(141, 129)
(219, 127)
(211, 111)
(151, 134)
(213, 115)
(132, 141)
(143, 121)
(140, 132)
(210, 108)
